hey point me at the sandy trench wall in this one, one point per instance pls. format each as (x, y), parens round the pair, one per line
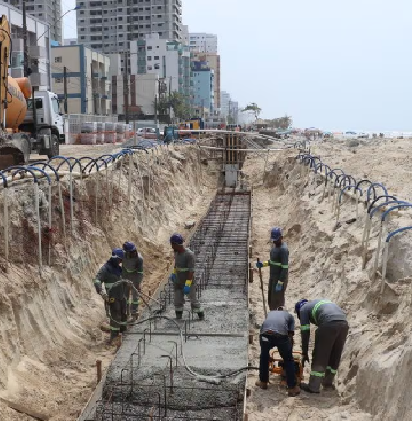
(327, 262)
(50, 318)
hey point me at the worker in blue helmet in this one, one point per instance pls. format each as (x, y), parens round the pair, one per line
(183, 278)
(132, 270)
(332, 331)
(108, 285)
(279, 266)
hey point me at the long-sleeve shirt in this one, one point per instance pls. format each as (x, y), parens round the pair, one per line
(132, 268)
(280, 322)
(279, 263)
(184, 264)
(109, 274)
(318, 312)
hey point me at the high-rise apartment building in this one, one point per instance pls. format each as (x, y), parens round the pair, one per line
(213, 61)
(203, 43)
(109, 25)
(203, 80)
(170, 60)
(49, 11)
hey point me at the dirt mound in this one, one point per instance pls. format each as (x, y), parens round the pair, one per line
(49, 324)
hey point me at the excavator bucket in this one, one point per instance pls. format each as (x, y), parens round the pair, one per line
(14, 150)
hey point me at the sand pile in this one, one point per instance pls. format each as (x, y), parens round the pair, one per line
(49, 324)
(326, 262)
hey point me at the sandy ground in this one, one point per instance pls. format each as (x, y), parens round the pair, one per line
(49, 325)
(326, 263)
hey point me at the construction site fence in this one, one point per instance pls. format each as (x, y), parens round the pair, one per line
(368, 199)
(46, 205)
(82, 129)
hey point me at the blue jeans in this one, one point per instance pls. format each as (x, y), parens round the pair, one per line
(284, 346)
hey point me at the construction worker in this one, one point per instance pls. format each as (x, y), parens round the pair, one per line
(183, 278)
(132, 270)
(108, 284)
(330, 339)
(279, 264)
(277, 331)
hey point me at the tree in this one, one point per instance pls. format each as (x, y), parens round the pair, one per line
(176, 102)
(254, 108)
(280, 122)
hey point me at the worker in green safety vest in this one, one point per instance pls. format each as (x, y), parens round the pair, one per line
(279, 267)
(332, 331)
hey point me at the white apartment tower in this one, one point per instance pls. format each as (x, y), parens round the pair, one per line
(203, 43)
(109, 25)
(48, 11)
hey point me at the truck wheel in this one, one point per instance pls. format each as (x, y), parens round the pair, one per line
(54, 147)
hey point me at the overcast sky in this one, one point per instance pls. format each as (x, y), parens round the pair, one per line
(340, 64)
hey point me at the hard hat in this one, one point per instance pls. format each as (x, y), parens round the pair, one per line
(129, 246)
(117, 253)
(176, 239)
(276, 233)
(299, 305)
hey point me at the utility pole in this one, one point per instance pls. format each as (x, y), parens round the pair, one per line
(25, 46)
(170, 93)
(65, 89)
(126, 87)
(93, 93)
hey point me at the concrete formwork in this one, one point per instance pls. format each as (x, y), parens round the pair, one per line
(184, 370)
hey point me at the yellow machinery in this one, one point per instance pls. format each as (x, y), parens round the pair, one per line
(276, 366)
(18, 140)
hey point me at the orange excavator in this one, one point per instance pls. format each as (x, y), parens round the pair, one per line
(30, 121)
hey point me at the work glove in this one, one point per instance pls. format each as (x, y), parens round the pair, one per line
(173, 277)
(259, 264)
(186, 288)
(105, 297)
(305, 359)
(279, 286)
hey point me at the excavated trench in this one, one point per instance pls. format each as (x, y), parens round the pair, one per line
(191, 369)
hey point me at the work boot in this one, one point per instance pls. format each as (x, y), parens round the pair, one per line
(329, 387)
(328, 380)
(262, 385)
(293, 392)
(305, 387)
(179, 315)
(201, 315)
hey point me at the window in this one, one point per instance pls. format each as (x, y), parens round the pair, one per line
(141, 26)
(58, 59)
(159, 16)
(160, 34)
(149, 47)
(149, 58)
(157, 66)
(149, 67)
(58, 80)
(55, 104)
(156, 58)
(147, 26)
(140, 17)
(147, 17)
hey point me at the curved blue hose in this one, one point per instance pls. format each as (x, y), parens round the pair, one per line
(374, 210)
(385, 214)
(397, 231)
(372, 186)
(378, 198)
(30, 167)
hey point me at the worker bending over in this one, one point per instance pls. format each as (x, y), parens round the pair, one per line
(132, 270)
(277, 331)
(330, 339)
(108, 285)
(183, 278)
(279, 264)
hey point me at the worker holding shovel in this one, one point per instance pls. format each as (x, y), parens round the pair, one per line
(279, 263)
